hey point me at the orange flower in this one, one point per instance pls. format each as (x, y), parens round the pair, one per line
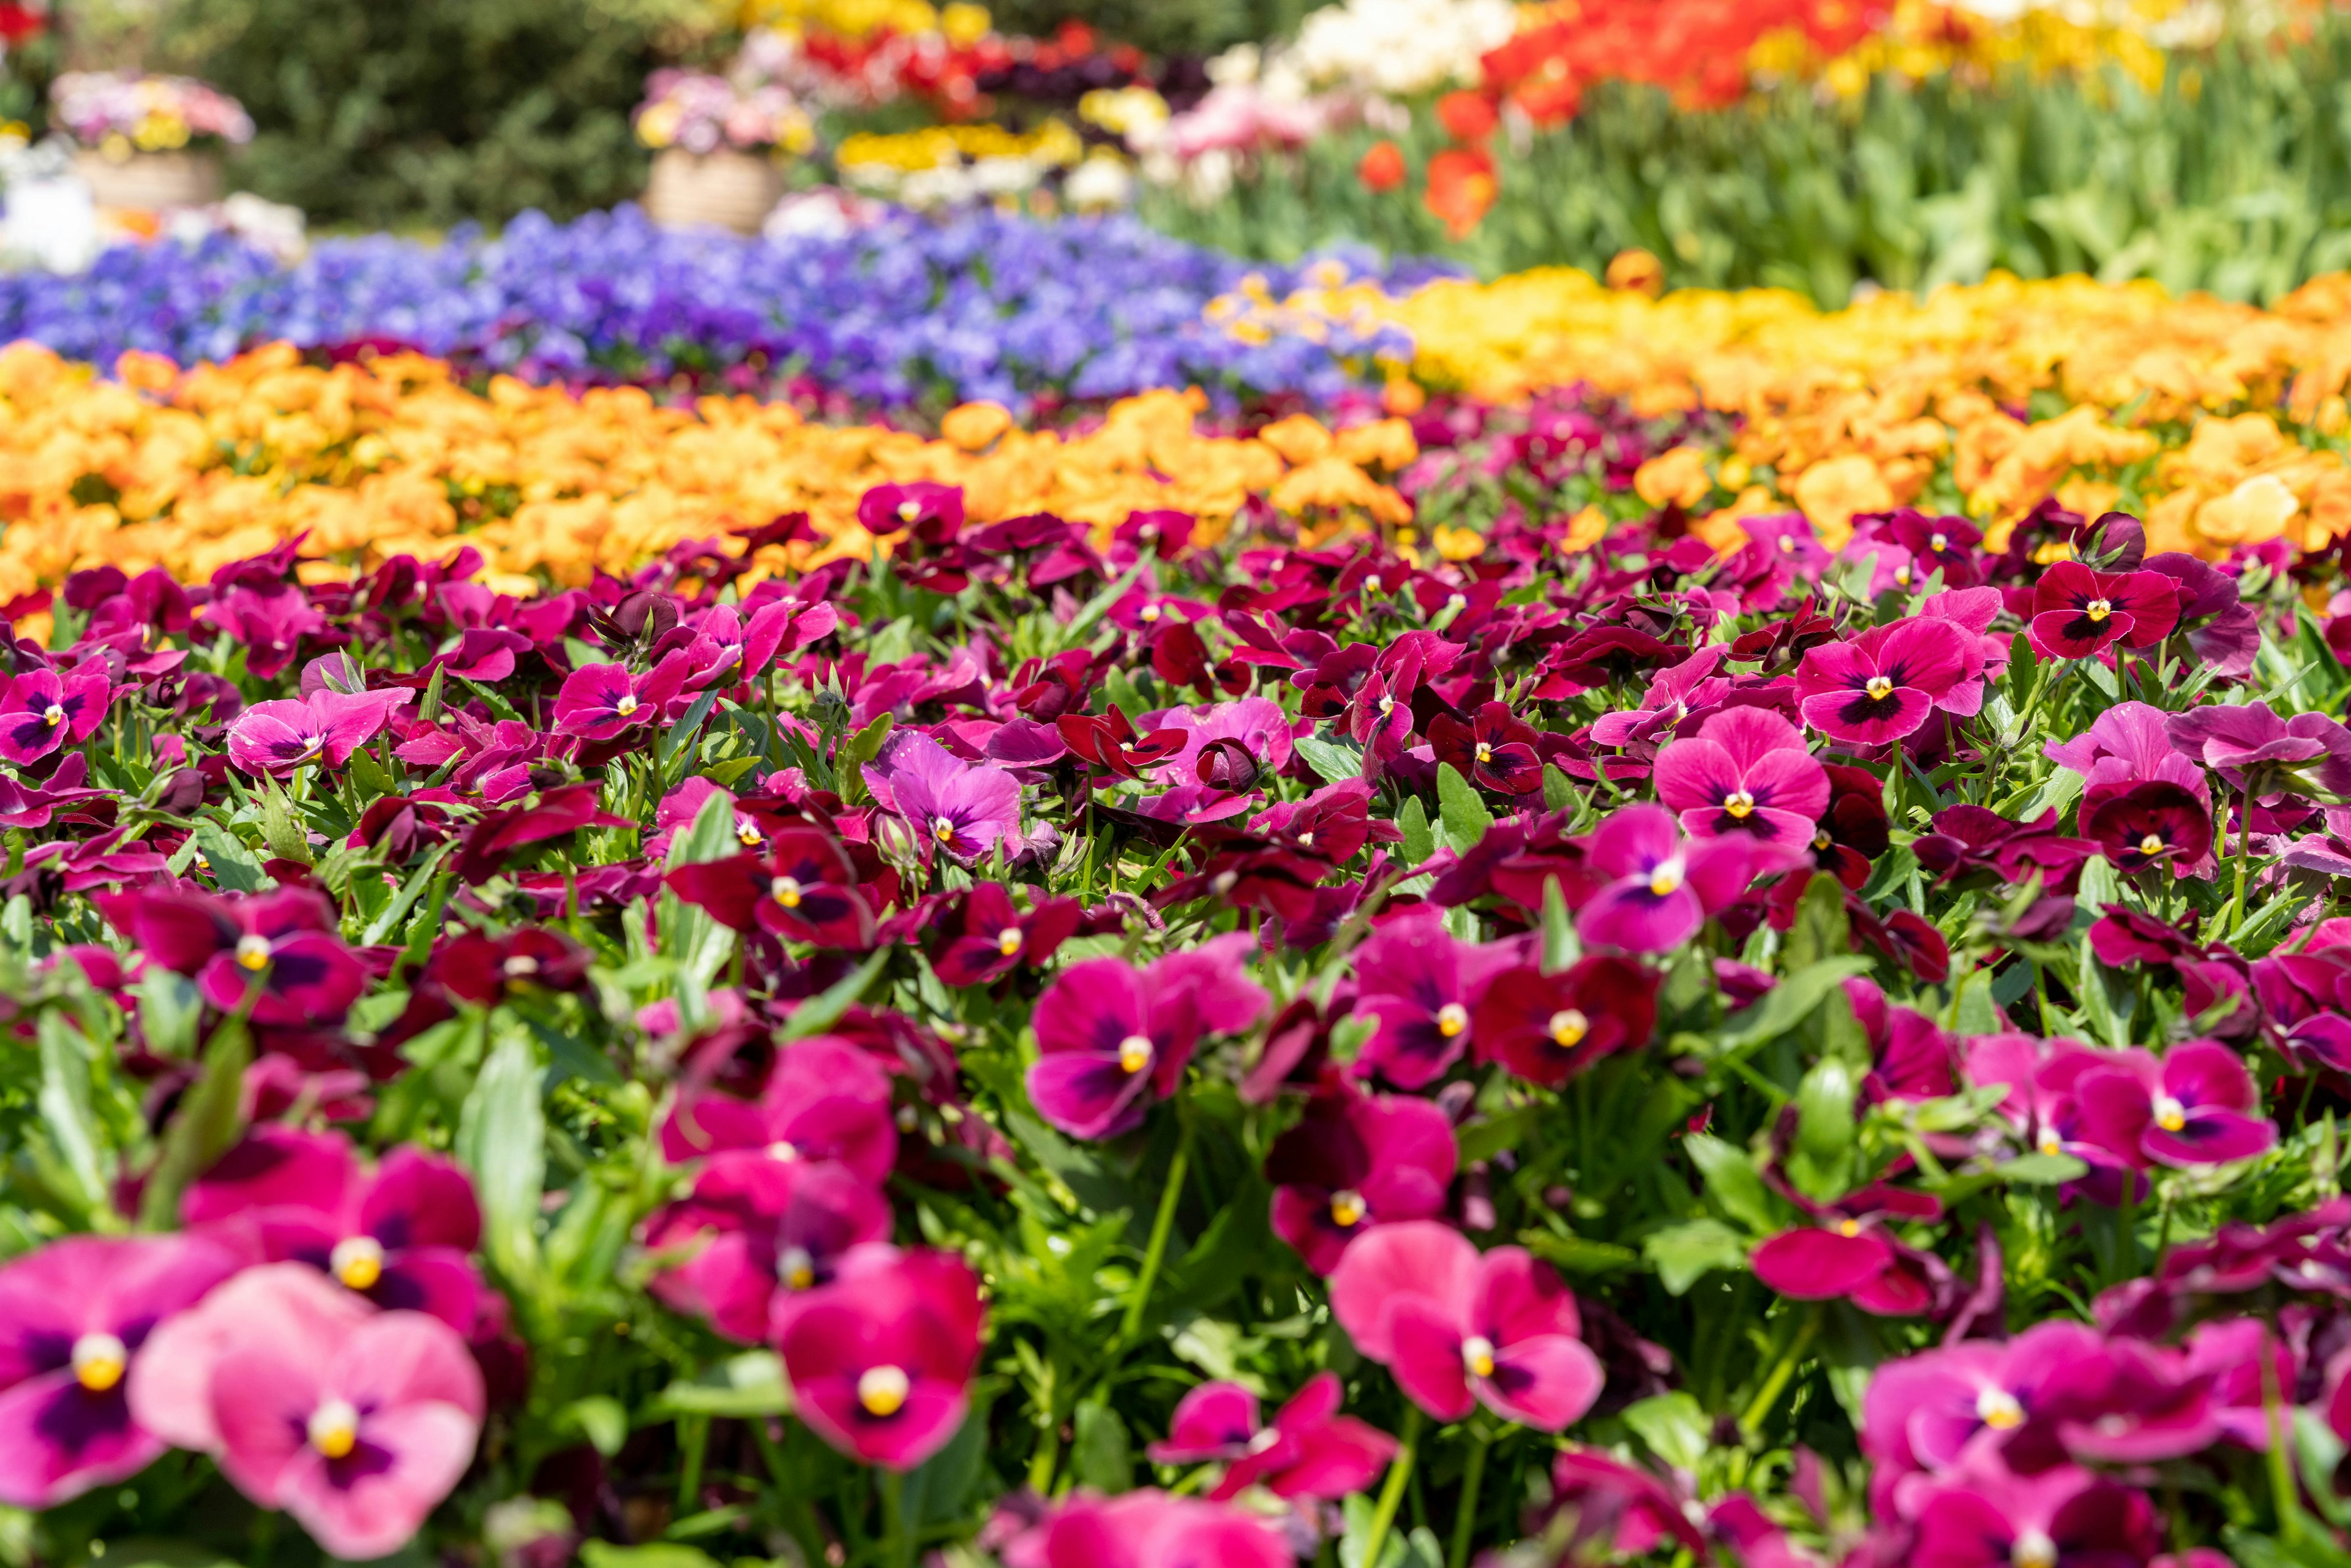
(1461, 187)
(1466, 115)
(1382, 166)
(1638, 272)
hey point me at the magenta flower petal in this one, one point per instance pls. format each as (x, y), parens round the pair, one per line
(1425, 1353)
(880, 1361)
(1817, 1265)
(1214, 1421)
(1546, 1382)
(1419, 1259)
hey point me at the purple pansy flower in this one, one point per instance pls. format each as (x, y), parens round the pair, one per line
(1113, 1037)
(1419, 986)
(2256, 751)
(1661, 887)
(325, 727)
(41, 711)
(881, 1360)
(73, 1318)
(960, 809)
(753, 1225)
(1310, 1451)
(276, 949)
(2196, 1107)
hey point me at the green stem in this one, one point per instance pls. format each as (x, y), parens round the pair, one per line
(1161, 1225)
(693, 1441)
(2245, 856)
(1781, 1370)
(2281, 1487)
(898, 1547)
(1464, 1517)
(1392, 1494)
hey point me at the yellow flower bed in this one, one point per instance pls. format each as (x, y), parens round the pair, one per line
(2220, 421)
(191, 470)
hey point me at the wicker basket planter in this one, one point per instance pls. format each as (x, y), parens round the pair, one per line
(726, 189)
(152, 181)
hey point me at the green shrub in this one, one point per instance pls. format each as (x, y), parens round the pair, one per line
(410, 112)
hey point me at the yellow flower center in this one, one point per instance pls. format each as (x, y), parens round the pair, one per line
(1879, 688)
(785, 891)
(1372, 584)
(252, 952)
(357, 1261)
(1007, 941)
(1150, 613)
(1485, 752)
(795, 1269)
(1938, 542)
(1740, 804)
(1134, 1053)
(909, 510)
(1387, 707)
(748, 834)
(1452, 1018)
(335, 1428)
(1567, 1027)
(99, 1361)
(53, 715)
(1821, 839)
(1998, 1409)
(783, 1152)
(521, 967)
(2151, 845)
(2170, 1114)
(627, 705)
(2033, 1550)
(2051, 1144)
(1849, 1228)
(1347, 1208)
(1668, 877)
(1477, 1355)
(1787, 544)
(942, 830)
(2097, 609)
(883, 1390)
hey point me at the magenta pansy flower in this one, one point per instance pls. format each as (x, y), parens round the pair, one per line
(881, 1360)
(962, 809)
(1547, 1028)
(325, 727)
(753, 1225)
(599, 702)
(1923, 1412)
(76, 1318)
(1661, 887)
(825, 1099)
(2197, 1106)
(1459, 1327)
(989, 938)
(2253, 748)
(41, 711)
(400, 1237)
(276, 952)
(1987, 1517)
(1112, 1038)
(1150, 1529)
(1882, 684)
(1745, 771)
(893, 508)
(1354, 1161)
(799, 886)
(357, 1428)
(2078, 614)
(1310, 1451)
(1418, 986)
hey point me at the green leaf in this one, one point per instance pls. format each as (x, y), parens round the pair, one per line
(64, 1103)
(1674, 1426)
(1489, 1136)
(1788, 1004)
(821, 1011)
(1419, 841)
(1821, 930)
(751, 1384)
(1825, 1126)
(1100, 1450)
(849, 765)
(281, 831)
(710, 837)
(1733, 1182)
(232, 865)
(1335, 763)
(1561, 946)
(169, 1006)
(204, 1127)
(600, 1419)
(501, 1139)
(428, 710)
(681, 735)
(658, 1554)
(1683, 1253)
(1559, 792)
(2043, 1170)
(1465, 816)
(141, 1552)
(1578, 1254)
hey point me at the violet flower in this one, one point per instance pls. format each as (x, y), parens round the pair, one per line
(1150, 1529)
(76, 1317)
(1459, 1327)
(1923, 1412)
(1112, 1038)
(41, 711)
(990, 938)
(2193, 1108)
(1354, 1161)
(963, 809)
(401, 1237)
(274, 951)
(2260, 754)
(1745, 771)
(1661, 888)
(881, 1360)
(274, 738)
(1882, 686)
(599, 702)
(1310, 1451)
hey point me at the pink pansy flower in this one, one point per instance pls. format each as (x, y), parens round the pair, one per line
(41, 711)
(1311, 1450)
(1354, 1161)
(599, 702)
(1662, 888)
(1459, 1327)
(755, 1224)
(1745, 771)
(2078, 614)
(76, 1317)
(2196, 1107)
(1985, 1516)
(881, 1360)
(961, 810)
(1883, 684)
(1419, 986)
(825, 1100)
(325, 727)
(1149, 1529)
(273, 953)
(1112, 1038)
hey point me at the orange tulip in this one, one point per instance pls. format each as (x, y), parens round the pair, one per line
(1381, 168)
(1461, 187)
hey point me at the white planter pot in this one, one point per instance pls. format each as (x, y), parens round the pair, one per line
(151, 182)
(726, 189)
